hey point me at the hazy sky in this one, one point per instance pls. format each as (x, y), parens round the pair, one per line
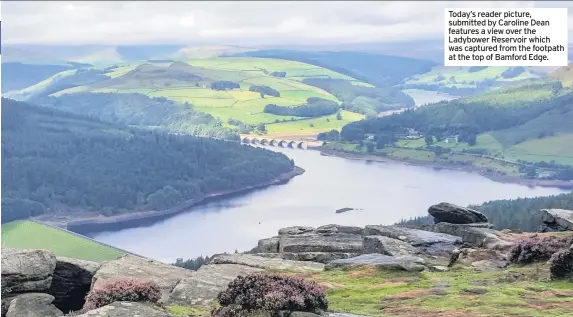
(238, 23)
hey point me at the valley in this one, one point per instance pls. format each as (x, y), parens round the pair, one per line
(265, 159)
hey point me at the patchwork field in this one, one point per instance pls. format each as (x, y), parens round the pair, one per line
(189, 81)
(31, 235)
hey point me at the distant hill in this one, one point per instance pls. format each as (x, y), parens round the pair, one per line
(17, 75)
(524, 126)
(55, 159)
(198, 52)
(234, 90)
(565, 74)
(463, 81)
(376, 69)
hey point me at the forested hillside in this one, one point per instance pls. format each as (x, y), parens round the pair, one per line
(53, 159)
(517, 130)
(521, 213)
(140, 110)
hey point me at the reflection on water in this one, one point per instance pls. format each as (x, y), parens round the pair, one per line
(386, 193)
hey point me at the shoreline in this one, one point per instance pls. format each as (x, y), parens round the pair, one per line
(100, 223)
(494, 176)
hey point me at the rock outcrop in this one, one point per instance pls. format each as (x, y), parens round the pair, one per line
(450, 213)
(557, 219)
(207, 283)
(33, 305)
(267, 263)
(71, 282)
(335, 242)
(407, 263)
(388, 246)
(130, 266)
(124, 309)
(26, 270)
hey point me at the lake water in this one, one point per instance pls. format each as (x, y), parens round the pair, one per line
(384, 193)
(422, 97)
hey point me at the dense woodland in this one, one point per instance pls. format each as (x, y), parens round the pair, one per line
(521, 213)
(140, 110)
(314, 107)
(368, 101)
(224, 85)
(54, 159)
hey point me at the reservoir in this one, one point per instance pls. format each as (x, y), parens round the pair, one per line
(380, 193)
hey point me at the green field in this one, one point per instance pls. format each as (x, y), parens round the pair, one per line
(165, 80)
(31, 235)
(558, 148)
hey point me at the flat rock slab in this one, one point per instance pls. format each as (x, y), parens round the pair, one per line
(474, 234)
(450, 213)
(337, 242)
(125, 309)
(332, 228)
(343, 315)
(27, 270)
(295, 230)
(430, 242)
(407, 263)
(207, 283)
(320, 257)
(558, 219)
(388, 246)
(129, 266)
(267, 263)
(33, 305)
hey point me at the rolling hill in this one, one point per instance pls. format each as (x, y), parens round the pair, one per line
(565, 74)
(239, 103)
(463, 81)
(522, 130)
(376, 69)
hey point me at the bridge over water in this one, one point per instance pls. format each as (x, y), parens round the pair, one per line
(288, 143)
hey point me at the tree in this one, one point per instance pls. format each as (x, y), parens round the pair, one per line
(338, 116)
(472, 139)
(429, 139)
(261, 127)
(370, 147)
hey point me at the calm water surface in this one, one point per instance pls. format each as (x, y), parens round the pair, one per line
(384, 193)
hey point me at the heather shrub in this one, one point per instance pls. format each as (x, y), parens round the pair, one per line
(247, 295)
(131, 290)
(531, 250)
(561, 264)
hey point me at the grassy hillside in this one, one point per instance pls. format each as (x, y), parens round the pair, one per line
(31, 235)
(376, 69)
(469, 80)
(191, 84)
(515, 130)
